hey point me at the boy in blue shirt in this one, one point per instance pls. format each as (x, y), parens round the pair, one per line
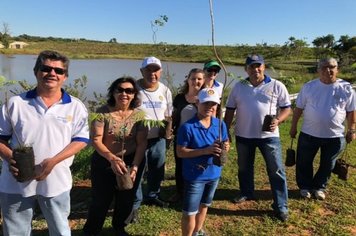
(198, 142)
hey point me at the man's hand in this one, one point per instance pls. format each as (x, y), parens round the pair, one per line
(292, 132)
(214, 149)
(44, 169)
(226, 146)
(14, 171)
(350, 135)
(274, 124)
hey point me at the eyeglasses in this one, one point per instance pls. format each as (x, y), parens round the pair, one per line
(47, 69)
(213, 70)
(126, 90)
(330, 67)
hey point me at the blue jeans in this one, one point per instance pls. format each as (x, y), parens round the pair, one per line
(198, 193)
(272, 154)
(155, 157)
(18, 212)
(307, 149)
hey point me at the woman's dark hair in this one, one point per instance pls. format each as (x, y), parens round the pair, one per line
(185, 87)
(53, 56)
(111, 90)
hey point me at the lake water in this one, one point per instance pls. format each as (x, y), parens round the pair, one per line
(101, 72)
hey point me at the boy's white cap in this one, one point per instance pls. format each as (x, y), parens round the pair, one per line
(208, 95)
(149, 61)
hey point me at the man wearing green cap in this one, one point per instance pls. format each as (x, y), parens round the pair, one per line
(212, 68)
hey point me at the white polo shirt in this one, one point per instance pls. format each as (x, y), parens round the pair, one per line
(325, 106)
(157, 105)
(48, 131)
(253, 103)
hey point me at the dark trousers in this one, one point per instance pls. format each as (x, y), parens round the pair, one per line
(178, 171)
(104, 191)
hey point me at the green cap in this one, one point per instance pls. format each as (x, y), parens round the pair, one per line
(211, 64)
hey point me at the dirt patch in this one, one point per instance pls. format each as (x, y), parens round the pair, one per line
(325, 212)
(80, 199)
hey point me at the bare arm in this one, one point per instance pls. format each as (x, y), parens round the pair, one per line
(297, 113)
(229, 116)
(117, 165)
(351, 125)
(282, 116)
(6, 155)
(97, 131)
(184, 152)
(48, 164)
(5, 150)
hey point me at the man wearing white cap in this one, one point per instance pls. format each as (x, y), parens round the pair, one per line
(198, 144)
(157, 104)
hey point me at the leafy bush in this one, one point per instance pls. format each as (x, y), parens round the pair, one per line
(81, 164)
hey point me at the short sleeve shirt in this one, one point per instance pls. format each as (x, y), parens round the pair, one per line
(48, 131)
(252, 104)
(194, 135)
(325, 106)
(157, 105)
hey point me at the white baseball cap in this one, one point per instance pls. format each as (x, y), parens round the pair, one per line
(149, 61)
(208, 95)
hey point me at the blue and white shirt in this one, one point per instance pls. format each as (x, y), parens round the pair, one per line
(253, 103)
(48, 131)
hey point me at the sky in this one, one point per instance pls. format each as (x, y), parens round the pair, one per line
(236, 22)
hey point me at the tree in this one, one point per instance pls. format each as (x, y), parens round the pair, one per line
(324, 45)
(298, 46)
(294, 47)
(159, 22)
(113, 40)
(163, 49)
(5, 35)
(353, 53)
(343, 48)
(327, 41)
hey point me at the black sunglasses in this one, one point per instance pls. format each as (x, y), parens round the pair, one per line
(213, 70)
(126, 90)
(47, 69)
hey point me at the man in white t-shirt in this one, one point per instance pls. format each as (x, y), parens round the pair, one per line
(256, 99)
(325, 103)
(157, 104)
(55, 125)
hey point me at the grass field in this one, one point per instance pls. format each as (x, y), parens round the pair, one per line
(336, 215)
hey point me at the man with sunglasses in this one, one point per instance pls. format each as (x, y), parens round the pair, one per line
(212, 69)
(55, 125)
(157, 104)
